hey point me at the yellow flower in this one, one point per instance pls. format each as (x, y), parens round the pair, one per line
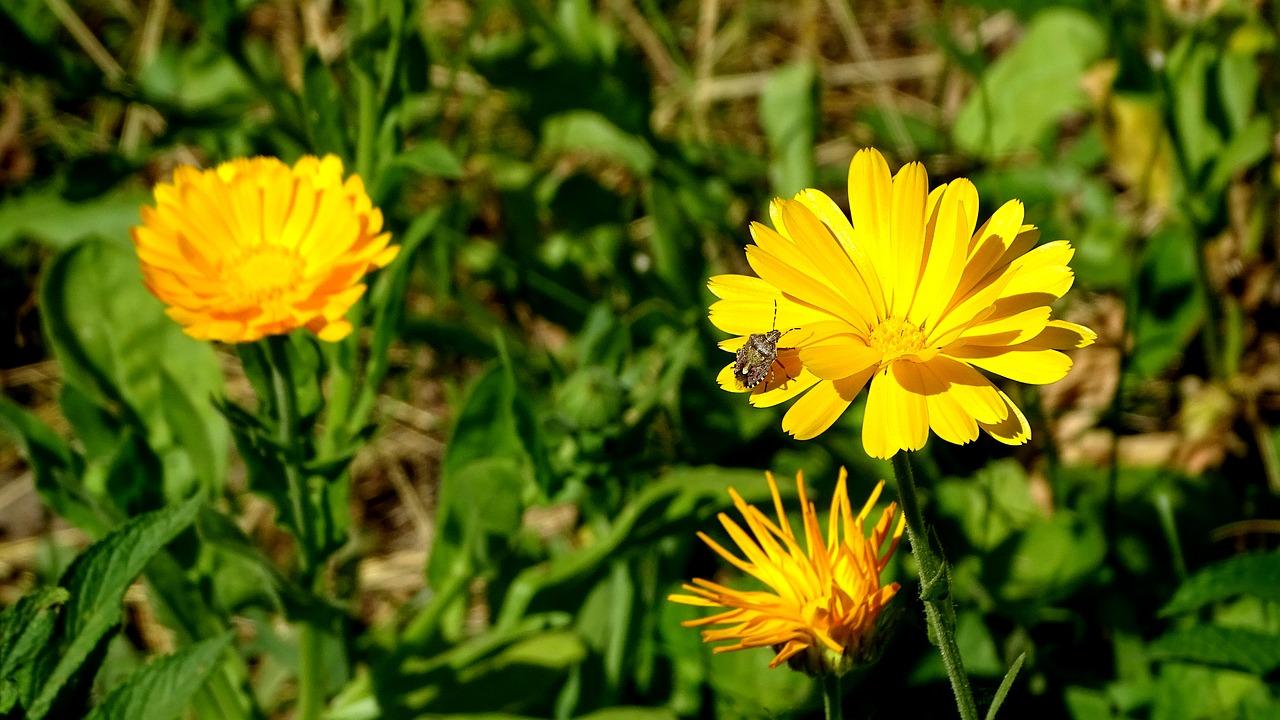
(907, 297)
(822, 600)
(255, 247)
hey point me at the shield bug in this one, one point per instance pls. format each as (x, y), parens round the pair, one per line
(757, 357)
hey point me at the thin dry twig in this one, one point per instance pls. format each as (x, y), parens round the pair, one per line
(708, 19)
(137, 116)
(85, 38)
(861, 52)
(742, 85)
(663, 64)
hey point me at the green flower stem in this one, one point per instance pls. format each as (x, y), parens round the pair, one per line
(831, 696)
(935, 588)
(310, 661)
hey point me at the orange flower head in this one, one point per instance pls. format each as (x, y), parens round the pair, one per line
(823, 599)
(908, 299)
(255, 247)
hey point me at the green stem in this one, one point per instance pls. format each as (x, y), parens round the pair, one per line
(310, 672)
(831, 696)
(310, 660)
(935, 588)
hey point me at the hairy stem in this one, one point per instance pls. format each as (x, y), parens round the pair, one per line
(935, 588)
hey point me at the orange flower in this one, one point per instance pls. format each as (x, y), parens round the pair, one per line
(255, 248)
(822, 600)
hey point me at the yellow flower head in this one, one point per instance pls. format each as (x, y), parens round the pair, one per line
(255, 247)
(907, 297)
(822, 600)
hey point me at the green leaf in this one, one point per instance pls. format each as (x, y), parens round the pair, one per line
(97, 581)
(1170, 308)
(25, 628)
(789, 115)
(113, 341)
(1219, 646)
(431, 158)
(1245, 149)
(1026, 92)
(43, 214)
(494, 467)
(1005, 685)
(58, 470)
(322, 106)
(163, 689)
(1050, 560)
(990, 505)
(630, 713)
(590, 133)
(1256, 574)
(1189, 67)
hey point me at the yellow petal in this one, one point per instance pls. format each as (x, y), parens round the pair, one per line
(1013, 430)
(812, 414)
(870, 194)
(1036, 367)
(895, 419)
(906, 233)
(838, 357)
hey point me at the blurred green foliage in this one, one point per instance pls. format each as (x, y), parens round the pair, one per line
(563, 177)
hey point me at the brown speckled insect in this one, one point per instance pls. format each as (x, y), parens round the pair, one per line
(756, 358)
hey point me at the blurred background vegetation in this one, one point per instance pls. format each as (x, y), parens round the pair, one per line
(564, 176)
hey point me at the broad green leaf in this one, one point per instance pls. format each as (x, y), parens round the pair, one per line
(164, 688)
(991, 504)
(1256, 574)
(1219, 646)
(590, 133)
(97, 581)
(789, 115)
(1025, 93)
(1050, 560)
(43, 214)
(114, 342)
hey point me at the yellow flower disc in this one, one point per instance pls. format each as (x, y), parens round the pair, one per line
(907, 298)
(255, 248)
(822, 599)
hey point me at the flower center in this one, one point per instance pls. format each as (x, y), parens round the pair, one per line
(266, 272)
(896, 337)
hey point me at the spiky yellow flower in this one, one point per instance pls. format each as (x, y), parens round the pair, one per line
(255, 247)
(907, 297)
(823, 599)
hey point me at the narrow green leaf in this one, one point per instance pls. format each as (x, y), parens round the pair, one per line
(1256, 574)
(1005, 685)
(97, 581)
(163, 689)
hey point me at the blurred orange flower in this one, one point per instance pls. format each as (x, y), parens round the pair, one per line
(255, 248)
(822, 600)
